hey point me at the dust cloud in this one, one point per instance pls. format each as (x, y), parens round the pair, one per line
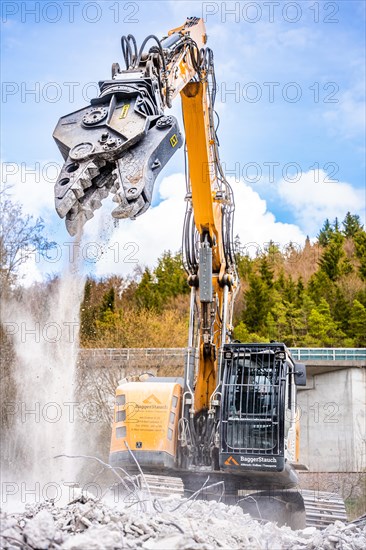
(45, 337)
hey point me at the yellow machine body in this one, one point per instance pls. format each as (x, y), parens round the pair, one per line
(145, 421)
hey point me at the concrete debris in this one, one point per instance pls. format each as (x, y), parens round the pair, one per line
(39, 532)
(168, 524)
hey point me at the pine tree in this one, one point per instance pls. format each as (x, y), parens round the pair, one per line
(171, 277)
(266, 272)
(273, 252)
(357, 323)
(325, 233)
(320, 286)
(108, 302)
(294, 324)
(256, 304)
(242, 334)
(323, 327)
(341, 310)
(351, 224)
(280, 283)
(244, 265)
(360, 251)
(330, 262)
(300, 288)
(290, 290)
(279, 312)
(336, 226)
(271, 327)
(146, 295)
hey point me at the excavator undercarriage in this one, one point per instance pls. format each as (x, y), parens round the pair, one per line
(242, 456)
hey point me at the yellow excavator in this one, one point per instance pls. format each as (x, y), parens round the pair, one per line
(233, 417)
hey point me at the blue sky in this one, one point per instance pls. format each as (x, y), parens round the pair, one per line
(290, 97)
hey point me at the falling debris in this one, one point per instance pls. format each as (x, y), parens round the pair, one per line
(87, 523)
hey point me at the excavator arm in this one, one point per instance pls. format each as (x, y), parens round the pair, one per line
(121, 142)
(119, 145)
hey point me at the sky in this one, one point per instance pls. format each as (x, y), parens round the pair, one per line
(291, 84)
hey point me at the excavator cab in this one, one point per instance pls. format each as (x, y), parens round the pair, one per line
(258, 412)
(258, 430)
(251, 410)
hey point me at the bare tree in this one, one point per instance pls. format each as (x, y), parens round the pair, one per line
(21, 236)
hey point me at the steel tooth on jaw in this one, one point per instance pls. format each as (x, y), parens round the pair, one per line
(92, 203)
(103, 192)
(87, 213)
(85, 181)
(130, 210)
(93, 170)
(75, 224)
(72, 227)
(89, 172)
(116, 183)
(73, 212)
(78, 189)
(66, 203)
(93, 199)
(114, 188)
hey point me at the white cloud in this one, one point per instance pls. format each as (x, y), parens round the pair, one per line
(315, 197)
(31, 185)
(119, 246)
(143, 239)
(160, 228)
(255, 224)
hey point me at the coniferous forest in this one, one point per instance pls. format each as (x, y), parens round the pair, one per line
(308, 296)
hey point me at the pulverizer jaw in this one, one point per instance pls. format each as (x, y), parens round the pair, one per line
(112, 146)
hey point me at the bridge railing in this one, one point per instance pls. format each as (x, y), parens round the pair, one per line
(301, 354)
(131, 353)
(329, 354)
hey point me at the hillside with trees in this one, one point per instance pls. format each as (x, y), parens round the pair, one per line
(313, 296)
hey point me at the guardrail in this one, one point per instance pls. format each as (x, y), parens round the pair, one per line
(329, 354)
(301, 354)
(131, 353)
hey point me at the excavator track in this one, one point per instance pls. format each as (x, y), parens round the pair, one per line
(161, 486)
(323, 508)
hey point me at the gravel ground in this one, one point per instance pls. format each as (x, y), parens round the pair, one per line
(164, 524)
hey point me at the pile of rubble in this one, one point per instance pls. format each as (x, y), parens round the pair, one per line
(90, 524)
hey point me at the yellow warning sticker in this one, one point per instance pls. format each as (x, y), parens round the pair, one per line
(124, 110)
(173, 140)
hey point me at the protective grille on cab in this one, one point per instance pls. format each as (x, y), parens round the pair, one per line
(252, 393)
